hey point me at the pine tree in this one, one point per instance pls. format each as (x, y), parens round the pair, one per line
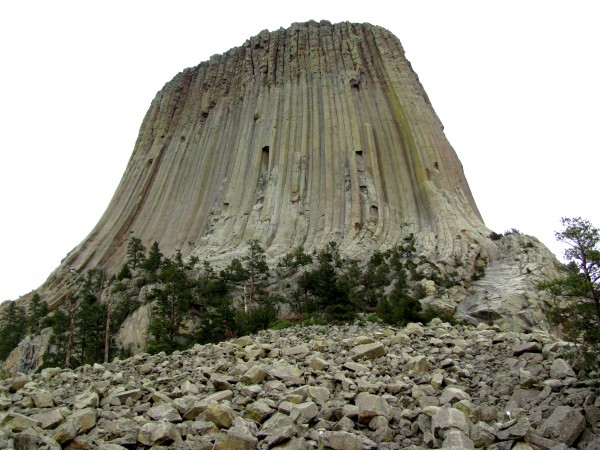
(57, 348)
(72, 307)
(577, 292)
(13, 326)
(255, 264)
(171, 307)
(90, 327)
(326, 289)
(38, 310)
(154, 260)
(374, 279)
(136, 252)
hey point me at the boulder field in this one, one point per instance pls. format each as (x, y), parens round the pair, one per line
(352, 386)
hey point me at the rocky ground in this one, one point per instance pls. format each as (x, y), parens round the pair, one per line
(336, 387)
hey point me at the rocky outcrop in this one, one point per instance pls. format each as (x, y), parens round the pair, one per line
(336, 387)
(301, 136)
(28, 355)
(507, 292)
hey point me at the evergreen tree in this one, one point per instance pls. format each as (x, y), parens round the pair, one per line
(255, 264)
(124, 273)
(399, 307)
(154, 260)
(211, 287)
(178, 259)
(324, 290)
(235, 273)
(72, 308)
(172, 304)
(192, 262)
(136, 252)
(57, 345)
(577, 308)
(374, 279)
(13, 326)
(83, 326)
(90, 327)
(38, 310)
(217, 314)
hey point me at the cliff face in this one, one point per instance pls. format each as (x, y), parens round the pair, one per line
(301, 136)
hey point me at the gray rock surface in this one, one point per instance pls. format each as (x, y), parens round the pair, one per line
(362, 117)
(470, 398)
(565, 424)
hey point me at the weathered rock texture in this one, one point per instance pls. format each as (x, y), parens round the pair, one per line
(434, 386)
(301, 136)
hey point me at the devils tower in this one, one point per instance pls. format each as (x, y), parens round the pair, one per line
(300, 136)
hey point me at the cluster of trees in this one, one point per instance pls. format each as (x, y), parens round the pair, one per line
(387, 284)
(197, 305)
(83, 328)
(16, 323)
(193, 303)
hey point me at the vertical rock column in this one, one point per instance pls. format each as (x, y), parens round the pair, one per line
(301, 136)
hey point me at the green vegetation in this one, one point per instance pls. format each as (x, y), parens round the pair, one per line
(136, 252)
(577, 291)
(193, 303)
(13, 326)
(326, 289)
(37, 311)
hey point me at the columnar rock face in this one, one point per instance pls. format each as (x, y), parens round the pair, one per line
(301, 136)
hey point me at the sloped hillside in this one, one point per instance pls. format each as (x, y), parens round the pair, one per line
(357, 386)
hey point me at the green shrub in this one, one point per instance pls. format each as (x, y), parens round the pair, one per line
(399, 309)
(431, 313)
(373, 318)
(280, 324)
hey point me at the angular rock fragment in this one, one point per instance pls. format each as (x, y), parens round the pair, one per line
(447, 418)
(220, 414)
(42, 399)
(304, 412)
(373, 403)
(18, 382)
(418, 364)
(86, 418)
(66, 431)
(258, 411)
(299, 350)
(343, 440)
(89, 399)
(452, 395)
(565, 424)
(368, 351)
(457, 439)
(516, 431)
(158, 433)
(49, 419)
(164, 411)
(254, 375)
(560, 369)
(527, 347)
(30, 439)
(17, 422)
(237, 438)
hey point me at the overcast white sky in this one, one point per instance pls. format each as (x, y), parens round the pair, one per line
(516, 84)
